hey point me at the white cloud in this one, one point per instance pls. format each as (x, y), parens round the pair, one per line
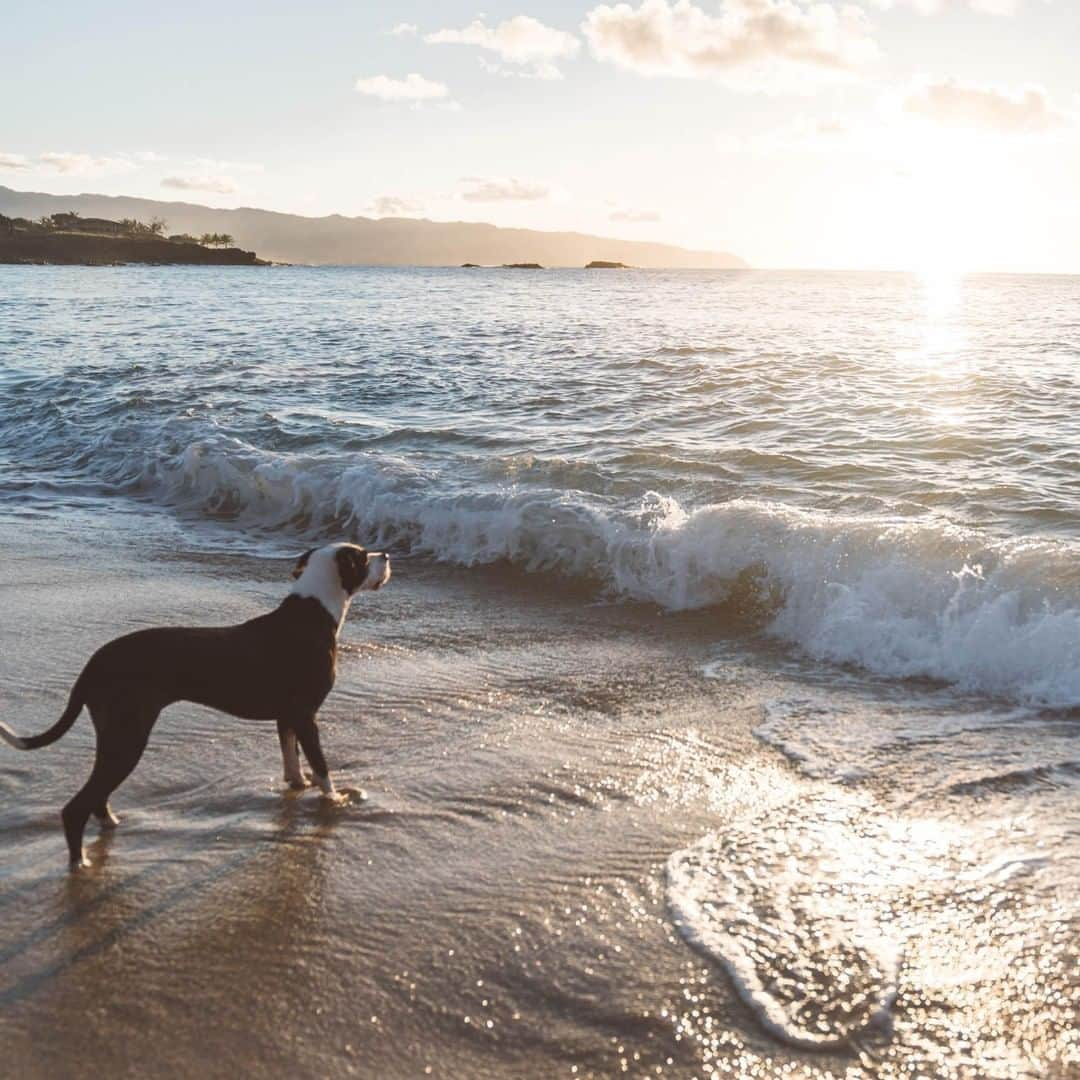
(403, 29)
(934, 7)
(522, 40)
(84, 164)
(542, 70)
(78, 164)
(954, 103)
(811, 134)
(501, 189)
(216, 165)
(413, 88)
(630, 215)
(219, 185)
(769, 45)
(394, 206)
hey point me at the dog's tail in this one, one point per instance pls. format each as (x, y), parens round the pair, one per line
(61, 727)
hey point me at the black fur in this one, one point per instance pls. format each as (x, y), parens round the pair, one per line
(279, 666)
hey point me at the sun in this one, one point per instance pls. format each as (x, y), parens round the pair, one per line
(948, 202)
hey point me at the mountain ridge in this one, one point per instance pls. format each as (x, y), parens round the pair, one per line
(336, 239)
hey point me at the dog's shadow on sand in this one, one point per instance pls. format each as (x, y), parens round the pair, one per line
(299, 815)
(194, 905)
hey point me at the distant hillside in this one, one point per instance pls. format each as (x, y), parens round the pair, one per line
(359, 240)
(69, 239)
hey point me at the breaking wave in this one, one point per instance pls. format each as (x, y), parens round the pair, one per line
(898, 598)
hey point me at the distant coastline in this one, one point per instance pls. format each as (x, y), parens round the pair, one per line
(67, 239)
(336, 240)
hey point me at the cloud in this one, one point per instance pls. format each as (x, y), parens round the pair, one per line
(935, 7)
(522, 40)
(219, 185)
(394, 206)
(809, 134)
(216, 165)
(501, 189)
(630, 215)
(403, 29)
(537, 71)
(77, 164)
(413, 87)
(84, 164)
(770, 45)
(953, 103)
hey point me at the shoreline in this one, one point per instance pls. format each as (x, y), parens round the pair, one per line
(212, 857)
(542, 773)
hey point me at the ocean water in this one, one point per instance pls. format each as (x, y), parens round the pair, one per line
(857, 495)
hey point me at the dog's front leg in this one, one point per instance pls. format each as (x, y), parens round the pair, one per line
(290, 757)
(307, 731)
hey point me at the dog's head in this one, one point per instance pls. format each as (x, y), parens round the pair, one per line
(334, 573)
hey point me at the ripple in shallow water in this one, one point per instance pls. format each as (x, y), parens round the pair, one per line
(840, 928)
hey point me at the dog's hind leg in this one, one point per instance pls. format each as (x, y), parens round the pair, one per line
(290, 757)
(121, 740)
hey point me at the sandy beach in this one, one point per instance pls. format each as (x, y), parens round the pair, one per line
(501, 904)
(480, 914)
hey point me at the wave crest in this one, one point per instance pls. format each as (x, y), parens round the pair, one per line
(901, 598)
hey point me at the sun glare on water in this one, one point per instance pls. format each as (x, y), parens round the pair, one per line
(935, 343)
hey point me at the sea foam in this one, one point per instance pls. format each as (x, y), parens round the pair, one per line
(898, 598)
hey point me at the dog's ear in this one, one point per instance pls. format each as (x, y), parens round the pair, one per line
(298, 569)
(352, 564)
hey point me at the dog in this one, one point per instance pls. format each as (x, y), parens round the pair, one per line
(279, 666)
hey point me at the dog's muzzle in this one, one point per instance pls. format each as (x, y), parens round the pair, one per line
(378, 571)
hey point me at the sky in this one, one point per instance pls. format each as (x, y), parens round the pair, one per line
(934, 135)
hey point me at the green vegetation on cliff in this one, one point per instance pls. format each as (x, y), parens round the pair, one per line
(70, 239)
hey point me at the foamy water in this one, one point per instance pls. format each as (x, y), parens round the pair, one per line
(868, 488)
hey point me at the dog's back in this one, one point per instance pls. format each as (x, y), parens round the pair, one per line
(248, 670)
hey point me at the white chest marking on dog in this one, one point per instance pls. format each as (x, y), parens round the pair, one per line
(322, 580)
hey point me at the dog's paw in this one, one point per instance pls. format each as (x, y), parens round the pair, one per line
(81, 863)
(344, 796)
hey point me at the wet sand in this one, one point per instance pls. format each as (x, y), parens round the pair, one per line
(497, 907)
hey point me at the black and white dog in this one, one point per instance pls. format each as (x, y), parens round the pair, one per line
(279, 667)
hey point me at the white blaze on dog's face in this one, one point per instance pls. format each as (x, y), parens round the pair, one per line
(334, 573)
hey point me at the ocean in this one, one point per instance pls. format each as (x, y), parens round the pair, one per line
(721, 718)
